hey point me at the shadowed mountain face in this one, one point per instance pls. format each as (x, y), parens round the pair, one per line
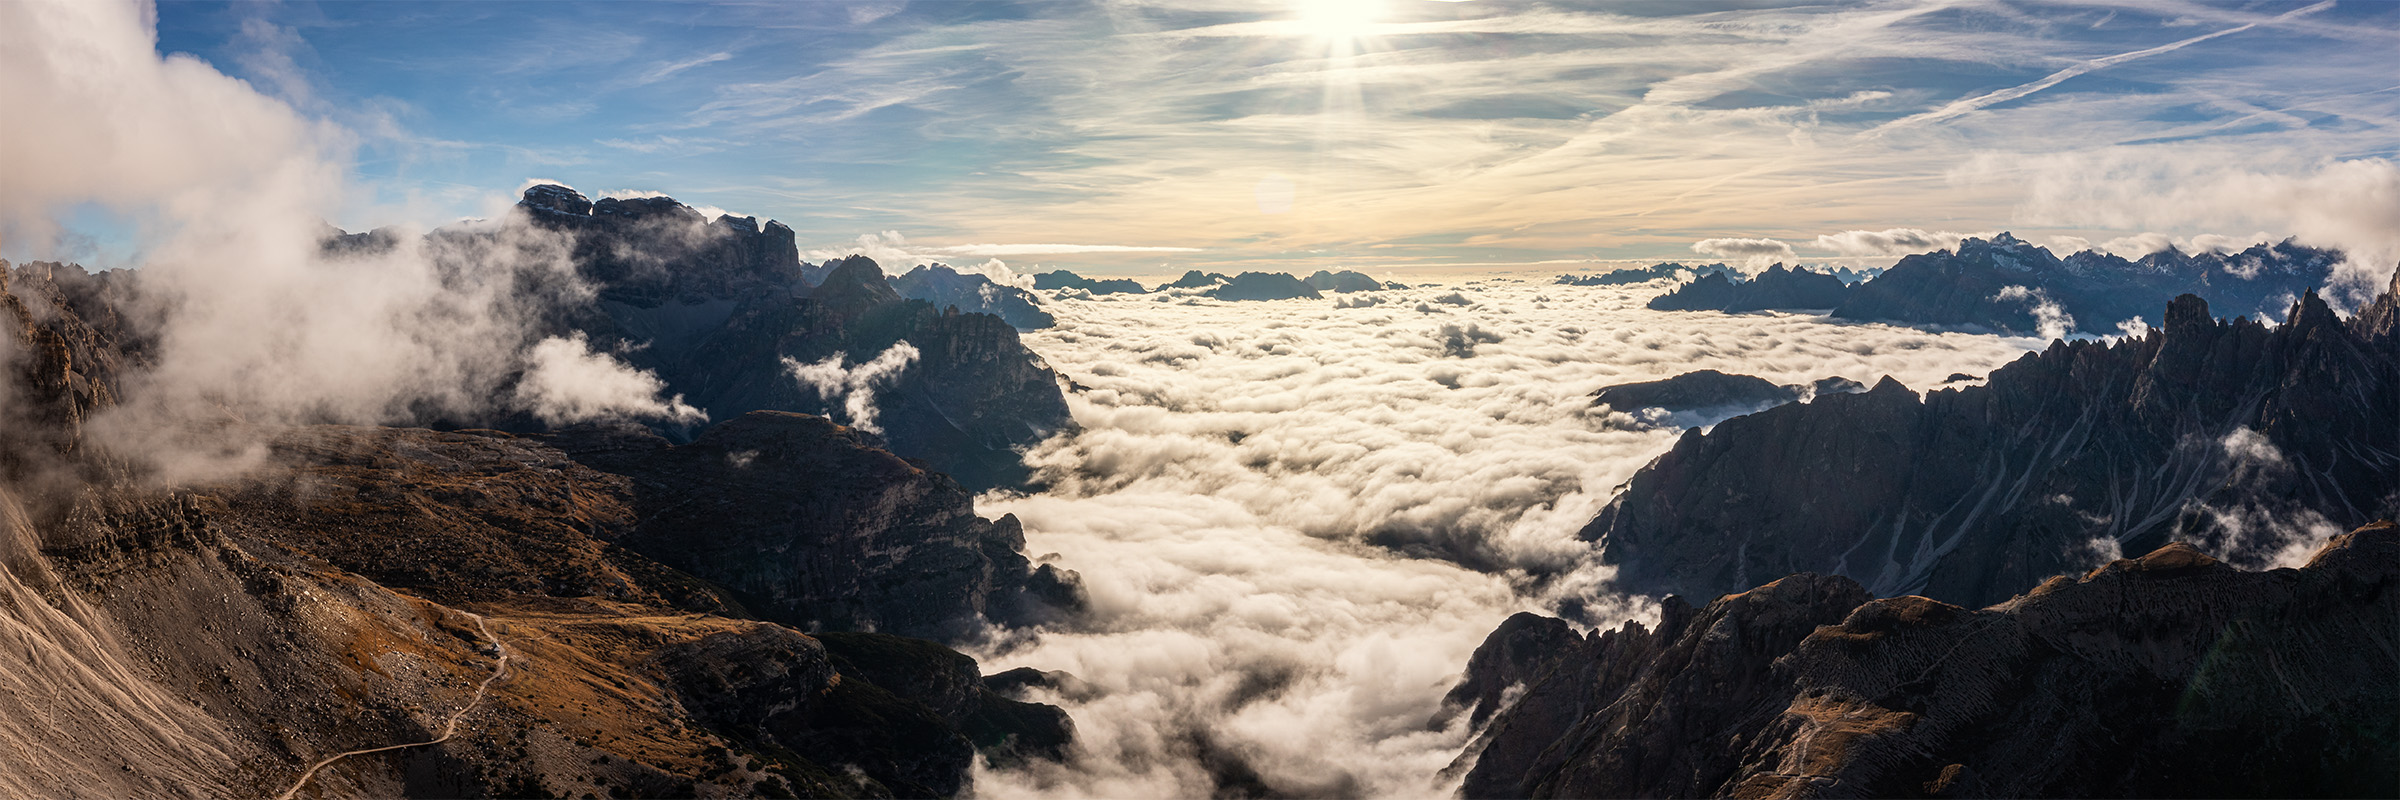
(686, 301)
(1193, 279)
(365, 587)
(1776, 288)
(1633, 275)
(1062, 279)
(1264, 286)
(2011, 286)
(811, 526)
(1706, 396)
(945, 287)
(1346, 281)
(2171, 675)
(2239, 437)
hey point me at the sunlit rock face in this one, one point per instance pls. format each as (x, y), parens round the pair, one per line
(2257, 442)
(2141, 678)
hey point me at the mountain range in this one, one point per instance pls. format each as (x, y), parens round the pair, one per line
(2008, 285)
(718, 309)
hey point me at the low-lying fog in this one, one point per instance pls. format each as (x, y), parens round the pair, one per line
(1298, 518)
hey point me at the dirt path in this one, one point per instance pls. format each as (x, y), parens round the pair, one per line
(499, 668)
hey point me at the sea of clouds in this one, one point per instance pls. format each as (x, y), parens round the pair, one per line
(1297, 519)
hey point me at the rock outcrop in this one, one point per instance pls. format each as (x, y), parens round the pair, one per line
(2170, 675)
(1775, 289)
(948, 288)
(2239, 437)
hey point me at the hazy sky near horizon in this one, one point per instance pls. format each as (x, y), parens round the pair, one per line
(1141, 137)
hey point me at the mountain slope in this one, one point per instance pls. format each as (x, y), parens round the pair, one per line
(2242, 438)
(2171, 675)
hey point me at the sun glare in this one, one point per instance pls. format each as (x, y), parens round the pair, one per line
(1340, 19)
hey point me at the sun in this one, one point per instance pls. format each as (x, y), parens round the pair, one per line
(1339, 19)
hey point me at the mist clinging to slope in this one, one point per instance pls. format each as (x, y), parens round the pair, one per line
(253, 320)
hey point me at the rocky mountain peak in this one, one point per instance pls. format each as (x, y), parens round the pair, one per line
(856, 281)
(640, 208)
(2310, 311)
(738, 224)
(2187, 312)
(556, 199)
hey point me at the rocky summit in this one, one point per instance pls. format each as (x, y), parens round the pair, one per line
(2236, 436)
(2169, 675)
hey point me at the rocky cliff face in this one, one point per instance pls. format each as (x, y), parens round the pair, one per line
(2170, 675)
(810, 526)
(716, 309)
(2245, 439)
(1776, 288)
(2012, 286)
(67, 338)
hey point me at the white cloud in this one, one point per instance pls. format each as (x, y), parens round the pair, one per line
(566, 382)
(1890, 241)
(854, 386)
(2350, 204)
(1751, 253)
(2050, 320)
(253, 321)
(1239, 462)
(1970, 105)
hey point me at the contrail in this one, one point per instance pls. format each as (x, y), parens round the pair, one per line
(1959, 108)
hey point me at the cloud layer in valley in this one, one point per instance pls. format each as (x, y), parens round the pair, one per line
(1298, 518)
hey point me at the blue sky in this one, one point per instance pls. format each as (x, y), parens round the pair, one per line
(1391, 135)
